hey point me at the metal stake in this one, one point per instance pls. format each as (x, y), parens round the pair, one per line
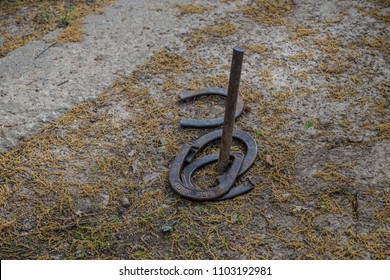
(230, 109)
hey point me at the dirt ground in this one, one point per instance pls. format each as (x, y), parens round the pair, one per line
(94, 183)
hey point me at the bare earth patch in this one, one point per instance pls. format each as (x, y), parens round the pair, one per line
(93, 184)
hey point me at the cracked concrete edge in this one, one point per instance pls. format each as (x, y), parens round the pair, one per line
(40, 81)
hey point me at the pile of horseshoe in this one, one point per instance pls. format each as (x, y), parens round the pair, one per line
(231, 165)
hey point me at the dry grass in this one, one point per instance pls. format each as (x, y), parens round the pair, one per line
(267, 11)
(220, 30)
(192, 9)
(379, 14)
(62, 192)
(34, 19)
(300, 32)
(89, 227)
(257, 48)
(379, 43)
(210, 33)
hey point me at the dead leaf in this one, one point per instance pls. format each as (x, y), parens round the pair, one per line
(299, 208)
(268, 159)
(134, 166)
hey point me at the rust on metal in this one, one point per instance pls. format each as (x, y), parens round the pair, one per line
(203, 195)
(242, 136)
(186, 163)
(231, 101)
(203, 161)
(180, 173)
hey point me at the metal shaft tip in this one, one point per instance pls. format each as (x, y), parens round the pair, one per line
(238, 49)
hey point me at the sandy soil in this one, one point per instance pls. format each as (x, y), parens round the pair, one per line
(93, 183)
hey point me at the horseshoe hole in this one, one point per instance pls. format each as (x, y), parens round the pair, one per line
(204, 107)
(207, 176)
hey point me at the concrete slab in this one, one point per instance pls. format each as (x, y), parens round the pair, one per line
(42, 80)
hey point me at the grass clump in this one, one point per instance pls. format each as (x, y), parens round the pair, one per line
(268, 11)
(309, 124)
(221, 30)
(192, 9)
(167, 61)
(377, 13)
(379, 43)
(301, 56)
(73, 33)
(211, 32)
(300, 32)
(257, 48)
(31, 20)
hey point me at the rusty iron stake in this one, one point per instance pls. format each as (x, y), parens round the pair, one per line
(230, 109)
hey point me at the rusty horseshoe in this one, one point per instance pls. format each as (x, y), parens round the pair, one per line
(180, 175)
(186, 163)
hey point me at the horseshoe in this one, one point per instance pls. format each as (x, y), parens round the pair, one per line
(203, 195)
(208, 122)
(180, 177)
(245, 138)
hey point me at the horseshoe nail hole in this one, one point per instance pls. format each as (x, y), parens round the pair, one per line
(190, 143)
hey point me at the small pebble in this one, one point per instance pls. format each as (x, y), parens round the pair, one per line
(125, 202)
(286, 195)
(312, 204)
(356, 139)
(167, 228)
